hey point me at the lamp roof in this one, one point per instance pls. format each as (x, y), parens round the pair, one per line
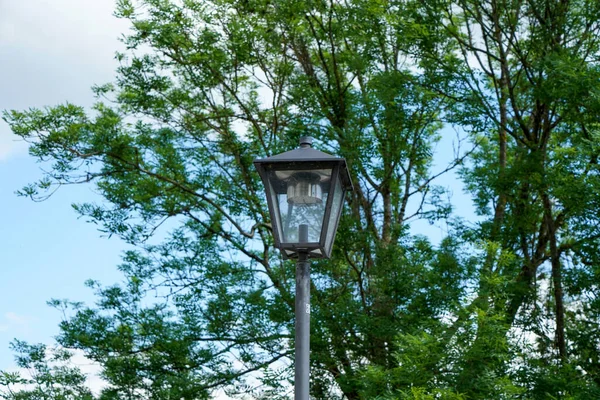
(299, 154)
(306, 154)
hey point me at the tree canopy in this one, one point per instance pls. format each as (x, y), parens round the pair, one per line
(504, 306)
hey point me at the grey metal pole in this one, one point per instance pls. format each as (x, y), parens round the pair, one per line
(302, 358)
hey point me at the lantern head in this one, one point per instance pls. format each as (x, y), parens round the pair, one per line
(305, 194)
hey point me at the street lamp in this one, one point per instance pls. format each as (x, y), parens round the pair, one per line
(305, 194)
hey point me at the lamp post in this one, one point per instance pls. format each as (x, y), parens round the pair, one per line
(305, 194)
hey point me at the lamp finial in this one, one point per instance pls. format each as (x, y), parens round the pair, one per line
(306, 141)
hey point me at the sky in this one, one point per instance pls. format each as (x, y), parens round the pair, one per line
(51, 52)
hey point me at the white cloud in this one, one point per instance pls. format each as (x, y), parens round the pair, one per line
(10, 145)
(91, 369)
(59, 25)
(12, 321)
(53, 51)
(88, 367)
(16, 318)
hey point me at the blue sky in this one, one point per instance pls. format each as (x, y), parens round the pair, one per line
(50, 52)
(53, 51)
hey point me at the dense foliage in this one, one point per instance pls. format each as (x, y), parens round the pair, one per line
(505, 306)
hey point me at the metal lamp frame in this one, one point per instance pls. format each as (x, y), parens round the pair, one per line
(305, 158)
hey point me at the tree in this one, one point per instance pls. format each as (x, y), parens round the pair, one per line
(206, 87)
(51, 376)
(523, 77)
